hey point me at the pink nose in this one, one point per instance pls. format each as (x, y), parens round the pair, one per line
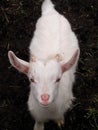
(45, 97)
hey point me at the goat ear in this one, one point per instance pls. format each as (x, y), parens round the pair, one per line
(71, 62)
(17, 63)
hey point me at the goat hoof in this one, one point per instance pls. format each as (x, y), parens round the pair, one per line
(60, 123)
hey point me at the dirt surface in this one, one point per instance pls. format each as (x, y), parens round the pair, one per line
(17, 24)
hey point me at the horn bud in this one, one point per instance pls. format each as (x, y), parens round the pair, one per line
(58, 57)
(33, 58)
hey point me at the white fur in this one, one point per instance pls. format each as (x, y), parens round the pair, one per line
(53, 35)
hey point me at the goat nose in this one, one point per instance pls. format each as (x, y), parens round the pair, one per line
(45, 97)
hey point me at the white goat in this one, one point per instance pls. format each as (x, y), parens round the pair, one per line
(54, 54)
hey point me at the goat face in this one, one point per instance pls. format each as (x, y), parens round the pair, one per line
(44, 78)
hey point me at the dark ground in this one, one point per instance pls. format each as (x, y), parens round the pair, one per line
(17, 24)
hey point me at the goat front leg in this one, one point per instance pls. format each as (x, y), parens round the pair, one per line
(39, 126)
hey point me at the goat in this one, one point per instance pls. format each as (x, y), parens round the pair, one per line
(54, 54)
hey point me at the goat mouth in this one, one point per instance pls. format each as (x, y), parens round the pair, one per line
(46, 105)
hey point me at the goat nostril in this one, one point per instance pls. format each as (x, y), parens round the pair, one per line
(45, 97)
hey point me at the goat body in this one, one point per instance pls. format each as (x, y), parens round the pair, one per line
(54, 54)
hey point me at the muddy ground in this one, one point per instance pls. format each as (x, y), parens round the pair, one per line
(17, 24)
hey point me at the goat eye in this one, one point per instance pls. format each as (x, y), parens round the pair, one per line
(32, 80)
(58, 80)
